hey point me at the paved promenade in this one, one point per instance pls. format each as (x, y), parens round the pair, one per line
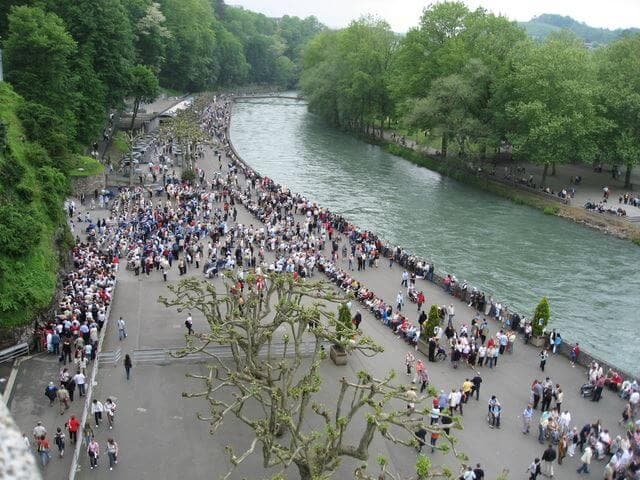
(159, 436)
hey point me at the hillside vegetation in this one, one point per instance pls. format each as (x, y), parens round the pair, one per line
(32, 223)
(542, 26)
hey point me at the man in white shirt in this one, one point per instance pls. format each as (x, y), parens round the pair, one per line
(80, 381)
(122, 332)
(97, 408)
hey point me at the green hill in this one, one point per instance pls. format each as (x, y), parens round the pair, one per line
(541, 26)
(32, 221)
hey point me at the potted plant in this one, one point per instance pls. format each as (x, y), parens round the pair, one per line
(539, 323)
(343, 332)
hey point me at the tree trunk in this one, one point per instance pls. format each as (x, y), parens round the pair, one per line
(627, 176)
(136, 106)
(445, 142)
(544, 174)
(553, 169)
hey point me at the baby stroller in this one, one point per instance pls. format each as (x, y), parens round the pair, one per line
(586, 390)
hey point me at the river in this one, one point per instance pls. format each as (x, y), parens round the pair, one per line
(514, 252)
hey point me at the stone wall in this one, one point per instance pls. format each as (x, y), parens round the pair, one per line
(88, 185)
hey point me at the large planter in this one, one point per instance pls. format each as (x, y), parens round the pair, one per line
(538, 341)
(338, 355)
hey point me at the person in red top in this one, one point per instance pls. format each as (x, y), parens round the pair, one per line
(420, 300)
(73, 425)
(575, 351)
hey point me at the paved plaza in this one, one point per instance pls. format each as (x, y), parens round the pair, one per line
(160, 437)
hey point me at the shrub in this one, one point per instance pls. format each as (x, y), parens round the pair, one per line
(343, 325)
(541, 316)
(551, 210)
(433, 320)
(188, 175)
(19, 230)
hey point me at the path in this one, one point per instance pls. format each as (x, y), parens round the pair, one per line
(160, 438)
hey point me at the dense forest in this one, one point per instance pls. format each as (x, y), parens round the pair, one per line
(477, 82)
(67, 64)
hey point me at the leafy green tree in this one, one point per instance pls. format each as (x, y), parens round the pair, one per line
(541, 316)
(143, 88)
(104, 34)
(293, 428)
(230, 54)
(619, 94)
(551, 107)
(38, 54)
(191, 60)
(151, 37)
(433, 320)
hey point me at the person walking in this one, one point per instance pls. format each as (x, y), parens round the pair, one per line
(476, 380)
(43, 448)
(189, 324)
(63, 398)
(73, 425)
(93, 450)
(527, 415)
(548, 456)
(421, 435)
(110, 408)
(543, 359)
(122, 329)
(409, 360)
(534, 469)
(59, 441)
(87, 433)
(97, 408)
(585, 459)
(80, 380)
(51, 392)
(127, 365)
(112, 452)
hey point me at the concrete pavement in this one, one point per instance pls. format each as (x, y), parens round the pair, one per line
(159, 435)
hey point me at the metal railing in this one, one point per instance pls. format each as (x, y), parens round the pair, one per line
(14, 352)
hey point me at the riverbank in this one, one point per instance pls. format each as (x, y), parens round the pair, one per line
(462, 172)
(525, 274)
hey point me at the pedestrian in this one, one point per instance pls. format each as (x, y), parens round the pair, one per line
(559, 394)
(63, 398)
(97, 408)
(42, 445)
(38, 431)
(495, 411)
(479, 472)
(434, 438)
(409, 359)
(527, 415)
(122, 330)
(421, 435)
(80, 380)
(574, 438)
(51, 392)
(112, 452)
(93, 450)
(585, 459)
(110, 408)
(399, 301)
(543, 359)
(477, 380)
(357, 319)
(71, 387)
(87, 433)
(562, 447)
(59, 441)
(412, 397)
(127, 365)
(189, 324)
(72, 426)
(534, 469)
(548, 456)
(468, 474)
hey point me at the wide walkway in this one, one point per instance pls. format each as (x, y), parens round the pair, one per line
(160, 437)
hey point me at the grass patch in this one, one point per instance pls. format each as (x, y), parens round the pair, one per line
(636, 241)
(83, 166)
(551, 210)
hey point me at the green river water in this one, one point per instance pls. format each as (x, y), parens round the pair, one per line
(514, 252)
